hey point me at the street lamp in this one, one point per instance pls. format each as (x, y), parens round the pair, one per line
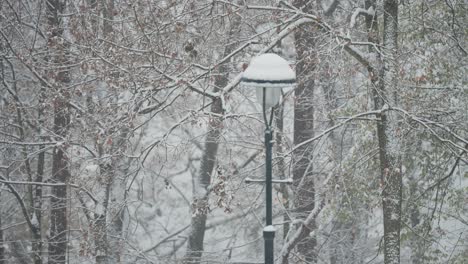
(268, 73)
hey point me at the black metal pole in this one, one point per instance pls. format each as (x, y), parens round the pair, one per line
(268, 147)
(268, 231)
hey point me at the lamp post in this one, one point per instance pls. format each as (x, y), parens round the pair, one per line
(268, 73)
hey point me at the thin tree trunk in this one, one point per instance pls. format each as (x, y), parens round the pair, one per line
(384, 79)
(107, 12)
(2, 245)
(200, 190)
(60, 174)
(37, 210)
(200, 201)
(304, 190)
(417, 248)
(30, 212)
(100, 238)
(110, 211)
(109, 214)
(60, 167)
(116, 186)
(390, 157)
(117, 193)
(100, 213)
(282, 168)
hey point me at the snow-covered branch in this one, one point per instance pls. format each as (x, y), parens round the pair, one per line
(325, 132)
(146, 151)
(48, 184)
(20, 200)
(426, 124)
(192, 86)
(361, 58)
(19, 143)
(303, 231)
(31, 69)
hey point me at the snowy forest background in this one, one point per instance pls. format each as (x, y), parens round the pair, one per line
(125, 135)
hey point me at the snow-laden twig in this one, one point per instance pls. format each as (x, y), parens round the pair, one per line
(452, 171)
(192, 86)
(3, 228)
(48, 184)
(19, 143)
(21, 202)
(325, 132)
(160, 106)
(153, 144)
(210, 225)
(83, 112)
(304, 18)
(43, 80)
(425, 123)
(361, 58)
(47, 143)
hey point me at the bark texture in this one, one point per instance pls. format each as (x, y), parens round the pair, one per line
(304, 190)
(384, 79)
(37, 210)
(390, 156)
(117, 195)
(60, 167)
(2, 247)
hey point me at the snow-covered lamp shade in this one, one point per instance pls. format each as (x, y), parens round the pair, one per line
(270, 73)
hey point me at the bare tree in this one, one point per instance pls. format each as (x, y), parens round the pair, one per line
(115, 110)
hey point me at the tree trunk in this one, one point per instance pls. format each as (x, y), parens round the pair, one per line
(109, 212)
(60, 167)
(390, 157)
(417, 246)
(279, 114)
(60, 174)
(384, 79)
(37, 210)
(116, 212)
(304, 190)
(2, 245)
(200, 201)
(100, 213)
(100, 238)
(200, 190)
(37, 214)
